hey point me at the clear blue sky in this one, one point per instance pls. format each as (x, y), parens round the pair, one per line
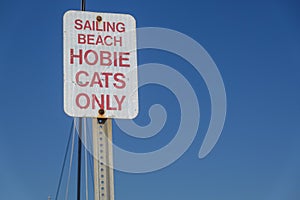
(256, 46)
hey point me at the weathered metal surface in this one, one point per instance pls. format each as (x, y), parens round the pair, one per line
(100, 65)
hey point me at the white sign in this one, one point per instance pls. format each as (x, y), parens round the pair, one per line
(100, 65)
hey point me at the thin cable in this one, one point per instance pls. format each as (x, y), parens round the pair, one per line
(92, 171)
(85, 160)
(71, 161)
(64, 162)
(90, 156)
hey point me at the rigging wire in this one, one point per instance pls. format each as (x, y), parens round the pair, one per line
(71, 161)
(88, 144)
(85, 159)
(91, 169)
(73, 130)
(64, 162)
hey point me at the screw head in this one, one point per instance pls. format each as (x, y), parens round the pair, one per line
(99, 18)
(101, 112)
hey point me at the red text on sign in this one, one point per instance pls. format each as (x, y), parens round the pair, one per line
(102, 80)
(102, 58)
(84, 101)
(99, 40)
(99, 26)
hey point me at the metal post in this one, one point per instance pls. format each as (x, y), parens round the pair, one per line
(79, 159)
(79, 138)
(83, 5)
(103, 160)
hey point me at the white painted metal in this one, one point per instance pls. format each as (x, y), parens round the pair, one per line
(103, 160)
(91, 79)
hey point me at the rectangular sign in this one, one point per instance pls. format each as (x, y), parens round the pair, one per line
(100, 65)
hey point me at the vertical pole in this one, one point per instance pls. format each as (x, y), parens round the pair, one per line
(103, 160)
(79, 138)
(79, 159)
(83, 5)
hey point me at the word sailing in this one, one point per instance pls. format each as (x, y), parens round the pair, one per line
(106, 101)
